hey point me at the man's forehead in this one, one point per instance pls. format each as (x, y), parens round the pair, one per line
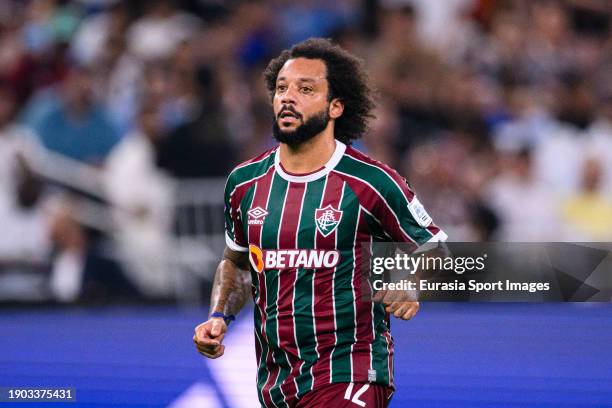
(303, 69)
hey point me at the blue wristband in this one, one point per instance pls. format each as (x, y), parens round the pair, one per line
(227, 319)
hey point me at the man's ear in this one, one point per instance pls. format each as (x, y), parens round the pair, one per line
(336, 107)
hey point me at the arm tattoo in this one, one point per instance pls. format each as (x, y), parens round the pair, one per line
(232, 284)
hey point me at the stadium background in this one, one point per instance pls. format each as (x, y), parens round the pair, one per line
(119, 121)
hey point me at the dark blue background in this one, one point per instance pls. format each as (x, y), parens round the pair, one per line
(451, 355)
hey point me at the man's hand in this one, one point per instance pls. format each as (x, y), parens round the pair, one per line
(231, 289)
(209, 336)
(397, 302)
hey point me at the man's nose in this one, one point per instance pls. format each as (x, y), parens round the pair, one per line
(288, 97)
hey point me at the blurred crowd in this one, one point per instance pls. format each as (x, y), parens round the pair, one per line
(498, 112)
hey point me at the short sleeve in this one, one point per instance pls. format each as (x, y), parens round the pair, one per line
(401, 214)
(234, 234)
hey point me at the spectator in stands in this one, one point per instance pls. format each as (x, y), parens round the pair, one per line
(34, 42)
(25, 244)
(90, 40)
(201, 147)
(588, 213)
(101, 44)
(141, 198)
(466, 85)
(160, 30)
(73, 124)
(524, 205)
(599, 134)
(32, 227)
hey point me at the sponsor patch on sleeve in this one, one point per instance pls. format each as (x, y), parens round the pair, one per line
(419, 213)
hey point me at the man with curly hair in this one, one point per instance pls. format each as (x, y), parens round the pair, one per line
(296, 217)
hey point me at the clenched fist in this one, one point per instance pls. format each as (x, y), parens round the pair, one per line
(398, 303)
(209, 336)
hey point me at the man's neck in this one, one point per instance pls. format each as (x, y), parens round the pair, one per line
(310, 155)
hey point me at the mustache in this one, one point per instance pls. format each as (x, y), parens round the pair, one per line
(289, 108)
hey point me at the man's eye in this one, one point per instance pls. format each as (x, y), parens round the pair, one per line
(306, 89)
(281, 88)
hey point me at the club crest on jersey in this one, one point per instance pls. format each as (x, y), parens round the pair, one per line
(256, 216)
(327, 219)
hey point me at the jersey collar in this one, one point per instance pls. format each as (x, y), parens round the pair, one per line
(329, 166)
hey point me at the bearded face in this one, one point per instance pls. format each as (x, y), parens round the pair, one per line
(301, 101)
(303, 131)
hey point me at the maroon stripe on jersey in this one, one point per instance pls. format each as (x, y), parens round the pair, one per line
(390, 347)
(273, 371)
(371, 200)
(401, 182)
(260, 199)
(257, 350)
(255, 159)
(433, 229)
(325, 327)
(288, 240)
(236, 197)
(364, 332)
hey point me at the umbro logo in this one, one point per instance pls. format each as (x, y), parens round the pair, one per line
(256, 215)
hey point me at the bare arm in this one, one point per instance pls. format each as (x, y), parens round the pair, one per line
(232, 284)
(231, 288)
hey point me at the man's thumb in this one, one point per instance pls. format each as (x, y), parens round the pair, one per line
(215, 331)
(379, 296)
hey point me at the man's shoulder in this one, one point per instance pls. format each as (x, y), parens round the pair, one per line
(374, 172)
(358, 155)
(252, 168)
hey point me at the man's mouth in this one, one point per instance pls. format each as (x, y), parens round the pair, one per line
(288, 118)
(288, 113)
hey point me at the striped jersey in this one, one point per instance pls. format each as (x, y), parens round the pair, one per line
(303, 233)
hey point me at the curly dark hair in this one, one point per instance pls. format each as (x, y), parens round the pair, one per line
(347, 80)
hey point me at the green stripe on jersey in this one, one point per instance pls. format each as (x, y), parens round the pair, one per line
(269, 239)
(245, 205)
(262, 370)
(252, 170)
(392, 194)
(302, 304)
(376, 230)
(239, 176)
(380, 353)
(344, 299)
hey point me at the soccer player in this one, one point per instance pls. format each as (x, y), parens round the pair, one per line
(296, 217)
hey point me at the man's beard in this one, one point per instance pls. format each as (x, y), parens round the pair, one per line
(306, 131)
